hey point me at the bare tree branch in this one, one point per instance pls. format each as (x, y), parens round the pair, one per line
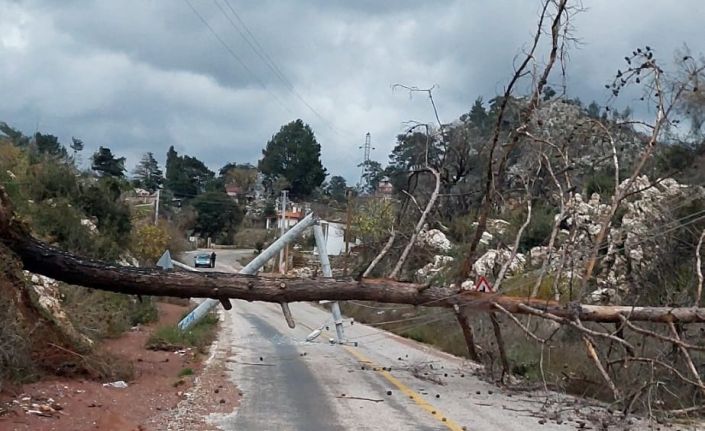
(592, 354)
(381, 254)
(699, 270)
(419, 225)
(688, 359)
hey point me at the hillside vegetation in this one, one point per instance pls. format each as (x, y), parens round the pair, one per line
(43, 322)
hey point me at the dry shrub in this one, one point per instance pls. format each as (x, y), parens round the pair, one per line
(15, 352)
(100, 314)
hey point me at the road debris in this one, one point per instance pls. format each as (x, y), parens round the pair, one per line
(33, 405)
(120, 384)
(343, 396)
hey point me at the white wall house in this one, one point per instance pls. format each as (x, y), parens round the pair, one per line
(334, 233)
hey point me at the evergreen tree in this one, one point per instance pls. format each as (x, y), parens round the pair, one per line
(148, 174)
(49, 144)
(336, 188)
(593, 110)
(242, 175)
(372, 174)
(76, 145)
(478, 115)
(106, 165)
(294, 155)
(217, 214)
(186, 176)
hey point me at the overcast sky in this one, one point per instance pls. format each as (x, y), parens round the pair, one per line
(138, 76)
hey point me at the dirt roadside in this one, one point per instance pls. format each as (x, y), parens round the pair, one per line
(150, 401)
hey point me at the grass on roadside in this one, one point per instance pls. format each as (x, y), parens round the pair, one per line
(171, 338)
(99, 314)
(186, 372)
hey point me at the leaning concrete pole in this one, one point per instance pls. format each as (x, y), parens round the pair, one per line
(252, 268)
(327, 272)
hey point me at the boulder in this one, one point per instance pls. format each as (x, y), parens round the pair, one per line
(49, 299)
(435, 239)
(489, 264)
(439, 263)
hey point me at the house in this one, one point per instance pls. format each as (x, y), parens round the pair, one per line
(141, 196)
(291, 217)
(141, 193)
(334, 234)
(385, 188)
(234, 191)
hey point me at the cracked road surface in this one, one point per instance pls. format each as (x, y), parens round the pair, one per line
(291, 384)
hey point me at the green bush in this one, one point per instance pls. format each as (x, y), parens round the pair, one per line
(102, 201)
(186, 372)
(250, 237)
(171, 338)
(600, 182)
(538, 232)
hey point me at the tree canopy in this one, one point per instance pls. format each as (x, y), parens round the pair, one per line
(186, 176)
(147, 173)
(217, 214)
(372, 174)
(106, 164)
(294, 155)
(242, 175)
(48, 144)
(336, 188)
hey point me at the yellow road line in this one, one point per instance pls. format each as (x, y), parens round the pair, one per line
(418, 399)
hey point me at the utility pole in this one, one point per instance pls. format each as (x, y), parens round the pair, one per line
(328, 272)
(156, 207)
(346, 236)
(282, 230)
(365, 154)
(251, 269)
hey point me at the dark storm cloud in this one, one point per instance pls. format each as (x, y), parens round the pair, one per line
(139, 76)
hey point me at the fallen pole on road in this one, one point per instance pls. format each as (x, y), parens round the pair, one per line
(251, 268)
(328, 272)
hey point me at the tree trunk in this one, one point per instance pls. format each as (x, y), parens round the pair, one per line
(468, 334)
(500, 346)
(41, 258)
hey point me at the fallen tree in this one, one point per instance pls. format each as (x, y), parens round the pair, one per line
(40, 258)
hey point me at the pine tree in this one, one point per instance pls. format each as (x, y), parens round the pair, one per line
(186, 176)
(106, 165)
(148, 174)
(295, 155)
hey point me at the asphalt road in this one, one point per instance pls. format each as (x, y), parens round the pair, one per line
(384, 383)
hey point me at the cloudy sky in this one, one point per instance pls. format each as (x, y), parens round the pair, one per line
(138, 76)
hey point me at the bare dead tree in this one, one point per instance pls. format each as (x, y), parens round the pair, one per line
(491, 188)
(419, 224)
(666, 100)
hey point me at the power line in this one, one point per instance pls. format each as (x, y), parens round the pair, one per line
(253, 43)
(257, 48)
(236, 57)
